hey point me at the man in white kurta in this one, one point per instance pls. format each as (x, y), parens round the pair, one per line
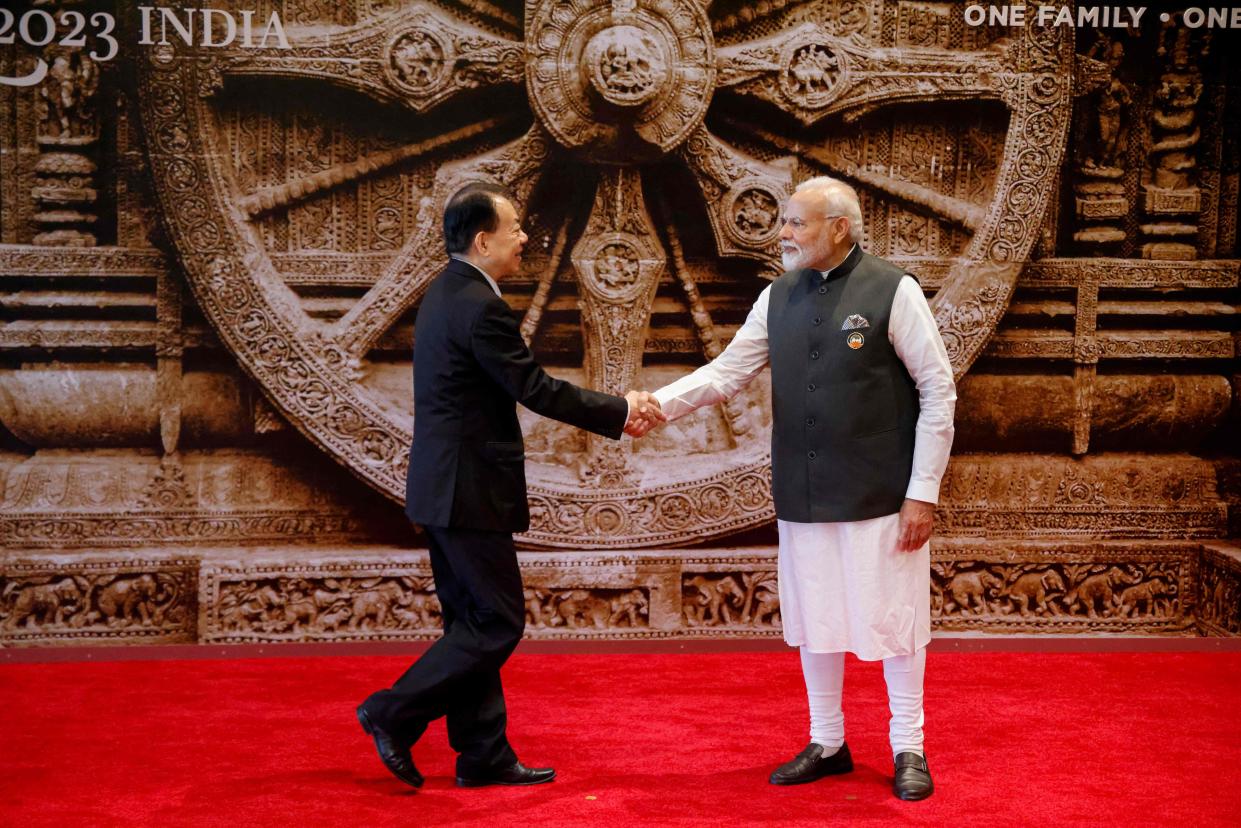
(858, 586)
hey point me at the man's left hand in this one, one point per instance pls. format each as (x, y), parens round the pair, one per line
(917, 519)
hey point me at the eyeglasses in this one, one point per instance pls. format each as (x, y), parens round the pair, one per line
(798, 223)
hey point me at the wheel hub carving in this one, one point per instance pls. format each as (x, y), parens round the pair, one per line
(620, 76)
(620, 93)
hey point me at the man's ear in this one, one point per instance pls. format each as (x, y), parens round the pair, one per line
(480, 242)
(844, 234)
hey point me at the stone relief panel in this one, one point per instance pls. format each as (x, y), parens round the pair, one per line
(53, 602)
(1219, 590)
(234, 595)
(587, 609)
(340, 600)
(1074, 589)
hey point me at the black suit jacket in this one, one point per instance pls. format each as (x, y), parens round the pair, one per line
(471, 367)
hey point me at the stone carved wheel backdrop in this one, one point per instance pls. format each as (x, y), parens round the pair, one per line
(595, 113)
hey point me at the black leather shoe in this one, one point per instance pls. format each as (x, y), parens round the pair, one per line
(392, 751)
(514, 774)
(913, 778)
(811, 764)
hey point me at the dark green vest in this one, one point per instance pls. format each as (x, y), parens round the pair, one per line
(844, 407)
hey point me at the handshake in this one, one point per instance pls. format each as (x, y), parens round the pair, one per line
(644, 413)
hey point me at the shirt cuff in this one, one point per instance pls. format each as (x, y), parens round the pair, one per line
(923, 490)
(663, 397)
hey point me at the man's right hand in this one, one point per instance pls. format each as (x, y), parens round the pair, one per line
(644, 413)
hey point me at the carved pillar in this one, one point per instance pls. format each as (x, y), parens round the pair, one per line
(1098, 191)
(1172, 197)
(167, 488)
(1220, 158)
(1230, 181)
(1086, 351)
(68, 132)
(135, 211)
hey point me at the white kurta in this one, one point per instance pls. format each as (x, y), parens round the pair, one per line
(845, 587)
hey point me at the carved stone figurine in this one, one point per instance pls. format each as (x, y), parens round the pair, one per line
(1035, 592)
(1110, 107)
(376, 603)
(1097, 593)
(1145, 598)
(629, 606)
(579, 608)
(128, 600)
(970, 590)
(706, 600)
(43, 604)
(64, 98)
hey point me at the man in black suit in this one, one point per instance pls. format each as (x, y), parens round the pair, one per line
(467, 487)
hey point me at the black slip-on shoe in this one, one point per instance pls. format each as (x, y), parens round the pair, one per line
(514, 774)
(392, 752)
(913, 778)
(811, 764)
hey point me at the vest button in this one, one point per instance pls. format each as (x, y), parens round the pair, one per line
(810, 421)
(811, 455)
(814, 354)
(823, 289)
(818, 320)
(810, 387)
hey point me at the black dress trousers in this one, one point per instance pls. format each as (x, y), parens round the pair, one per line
(479, 587)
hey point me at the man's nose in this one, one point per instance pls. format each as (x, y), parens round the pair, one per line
(786, 230)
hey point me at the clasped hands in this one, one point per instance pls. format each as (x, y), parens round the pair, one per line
(644, 413)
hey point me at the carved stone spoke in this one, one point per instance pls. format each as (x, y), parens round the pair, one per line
(282, 196)
(942, 206)
(619, 262)
(811, 74)
(515, 165)
(417, 58)
(742, 194)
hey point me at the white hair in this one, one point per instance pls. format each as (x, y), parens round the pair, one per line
(839, 199)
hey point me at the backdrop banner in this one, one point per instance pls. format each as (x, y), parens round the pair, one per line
(217, 222)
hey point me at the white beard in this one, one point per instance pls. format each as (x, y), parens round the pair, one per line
(791, 259)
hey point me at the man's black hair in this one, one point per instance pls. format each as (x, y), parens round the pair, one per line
(470, 210)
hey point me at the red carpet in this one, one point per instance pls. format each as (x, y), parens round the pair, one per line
(1013, 739)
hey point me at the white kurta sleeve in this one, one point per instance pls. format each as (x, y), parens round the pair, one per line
(915, 336)
(742, 361)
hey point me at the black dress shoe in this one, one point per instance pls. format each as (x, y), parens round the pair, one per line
(811, 764)
(392, 751)
(514, 774)
(913, 777)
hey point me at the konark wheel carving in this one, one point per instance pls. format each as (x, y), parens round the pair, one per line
(620, 91)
